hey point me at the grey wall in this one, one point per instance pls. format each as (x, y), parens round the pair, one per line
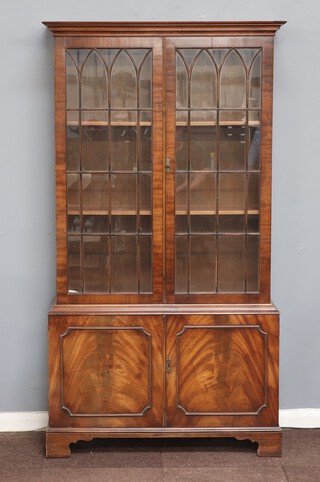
(27, 245)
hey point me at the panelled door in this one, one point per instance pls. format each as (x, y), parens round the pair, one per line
(223, 370)
(106, 371)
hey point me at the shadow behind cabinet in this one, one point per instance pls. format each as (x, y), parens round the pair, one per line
(163, 325)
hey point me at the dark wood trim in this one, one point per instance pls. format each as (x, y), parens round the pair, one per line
(266, 169)
(161, 309)
(269, 439)
(163, 28)
(61, 176)
(157, 169)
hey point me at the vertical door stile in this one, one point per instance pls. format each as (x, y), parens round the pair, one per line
(169, 154)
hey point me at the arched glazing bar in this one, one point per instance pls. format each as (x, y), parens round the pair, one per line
(233, 82)
(232, 196)
(255, 81)
(94, 82)
(110, 164)
(196, 89)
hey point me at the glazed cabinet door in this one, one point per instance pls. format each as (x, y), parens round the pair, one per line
(218, 157)
(106, 371)
(109, 170)
(223, 370)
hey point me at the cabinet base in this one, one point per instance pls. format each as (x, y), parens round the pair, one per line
(269, 440)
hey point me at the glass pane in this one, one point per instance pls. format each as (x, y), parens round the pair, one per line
(181, 224)
(145, 118)
(181, 84)
(145, 224)
(79, 56)
(73, 153)
(74, 224)
(202, 264)
(202, 117)
(145, 264)
(182, 117)
(123, 118)
(247, 55)
(72, 83)
(182, 149)
(253, 263)
(95, 255)
(94, 140)
(108, 56)
(124, 264)
(202, 148)
(123, 224)
(138, 56)
(232, 147)
(73, 193)
(231, 224)
(188, 55)
(95, 196)
(145, 186)
(254, 118)
(123, 83)
(231, 263)
(203, 83)
(181, 193)
(232, 193)
(181, 264)
(254, 149)
(94, 83)
(253, 191)
(123, 155)
(202, 192)
(95, 224)
(232, 118)
(145, 161)
(233, 82)
(255, 83)
(74, 264)
(124, 193)
(203, 224)
(218, 55)
(145, 83)
(253, 223)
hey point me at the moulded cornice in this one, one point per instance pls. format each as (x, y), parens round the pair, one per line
(62, 29)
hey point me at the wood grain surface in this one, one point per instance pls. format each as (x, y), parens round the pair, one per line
(163, 364)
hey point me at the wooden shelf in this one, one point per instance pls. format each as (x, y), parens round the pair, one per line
(221, 123)
(114, 212)
(197, 212)
(146, 212)
(94, 123)
(178, 124)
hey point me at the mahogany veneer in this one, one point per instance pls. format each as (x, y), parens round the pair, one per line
(148, 338)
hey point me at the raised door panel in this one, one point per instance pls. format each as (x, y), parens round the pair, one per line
(106, 371)
(223, 370)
